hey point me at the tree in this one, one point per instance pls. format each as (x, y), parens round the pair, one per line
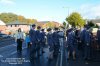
(64, 24)
(31, 21)
(91, 24)
(75, 20)
(8, 17)
(21, 18)
(50, 24)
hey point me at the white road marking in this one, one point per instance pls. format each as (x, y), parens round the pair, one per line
(16, 51)
(1, 56)
(57, 60)
(8, 46)
(14, 45)
(13, 52)
(61, 55)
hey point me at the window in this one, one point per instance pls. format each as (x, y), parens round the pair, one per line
(11, 25)
(15, 25)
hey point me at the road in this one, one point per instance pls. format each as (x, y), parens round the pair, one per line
(10, 57)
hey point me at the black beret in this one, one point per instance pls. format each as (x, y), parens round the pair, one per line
(42, 29)
(38, 27)
(33, 25)
(49, 29)
(55, 28)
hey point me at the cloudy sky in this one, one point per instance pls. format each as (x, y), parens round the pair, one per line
(53, 10)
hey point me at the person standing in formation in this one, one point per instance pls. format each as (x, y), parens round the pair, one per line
(98, 38)
(38, 40)
(56, 42)
(88, 40)
(70, 44)
(50, 43)
(32, 35)
(43, 40)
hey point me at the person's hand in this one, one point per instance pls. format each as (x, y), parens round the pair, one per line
(66, 46)
(87, 44)
(15, 40)
(22, 40)
(96, 39)
(31, 43)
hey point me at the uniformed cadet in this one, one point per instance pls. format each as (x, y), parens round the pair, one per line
(88, 40)
(98, 38)
(70, 44)
(43, 40)
(77, 39)
(32, 35)
(56, 41)
(82, 39)
(61, 38)
(38, 40)
(50, 43)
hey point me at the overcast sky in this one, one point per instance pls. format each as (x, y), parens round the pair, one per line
(51, 10)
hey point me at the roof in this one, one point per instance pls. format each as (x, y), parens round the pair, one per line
(96, 20)
(17, 23)
(2, 23)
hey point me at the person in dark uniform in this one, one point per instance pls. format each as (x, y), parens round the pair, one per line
(50, 43)
(19, 39)
(70, 44)
(38, 40)
(32, 35)
(98, 38)
(77, 39)
(88, 40)
(56, 41)
(82, 39)
(43, 40)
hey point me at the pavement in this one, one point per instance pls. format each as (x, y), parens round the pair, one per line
(10, 57)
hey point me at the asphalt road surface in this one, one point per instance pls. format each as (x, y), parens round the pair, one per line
(10, 57)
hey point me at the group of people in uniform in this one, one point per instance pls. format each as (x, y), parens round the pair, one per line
(73, 40)
(38, 40)
(81, 39)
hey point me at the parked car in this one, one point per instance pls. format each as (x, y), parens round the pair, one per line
(4, 35)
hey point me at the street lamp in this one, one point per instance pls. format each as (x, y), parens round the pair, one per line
(67, 8)
(67, 23)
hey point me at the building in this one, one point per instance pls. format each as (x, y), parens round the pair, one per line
(14, 26)
(96, 21)
(2, 27)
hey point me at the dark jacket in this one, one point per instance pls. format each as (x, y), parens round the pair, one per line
(56, 38)
(38, 36)
(32, 35)
(50, 39)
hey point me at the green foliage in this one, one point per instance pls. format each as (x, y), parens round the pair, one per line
(96, 26)
(91, 24)
(10, 17)
(75, 20)
(50, 25)
(64, 24)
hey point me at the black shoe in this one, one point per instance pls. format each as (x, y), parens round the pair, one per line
(74, 59)
(67, 58)
(43, 52)
(39, 55)
(85, 59)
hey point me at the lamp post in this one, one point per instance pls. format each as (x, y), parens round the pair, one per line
(67, 8)
(67, 23)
